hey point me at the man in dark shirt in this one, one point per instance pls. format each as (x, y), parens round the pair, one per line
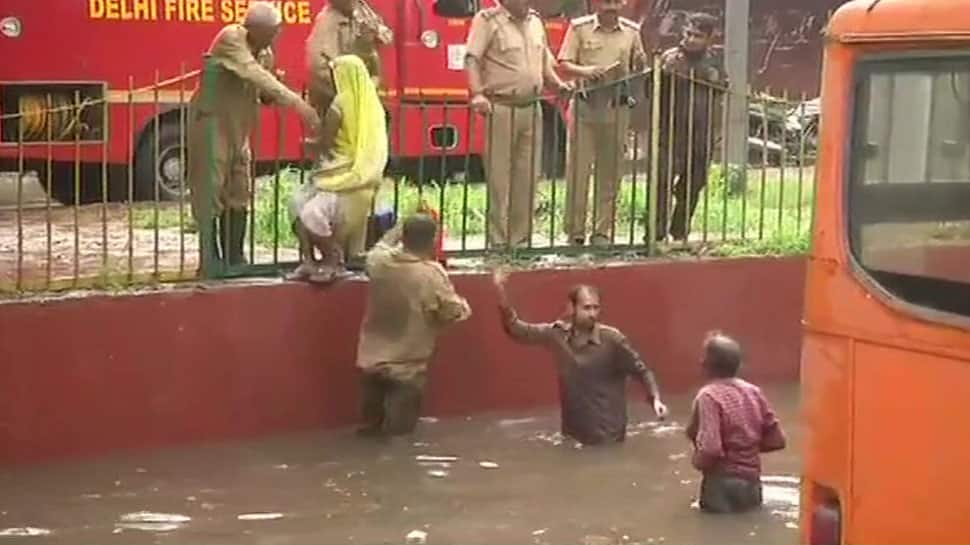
(691, 89)
(732, 423)
(593, 361)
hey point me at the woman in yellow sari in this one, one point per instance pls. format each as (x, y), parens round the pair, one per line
(331, 211)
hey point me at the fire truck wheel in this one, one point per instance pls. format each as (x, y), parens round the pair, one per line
(165, 171)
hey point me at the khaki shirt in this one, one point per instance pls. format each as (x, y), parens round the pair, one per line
(409, 301)
(335, 34)
(591, 43)
(513, 54)
(233, 84)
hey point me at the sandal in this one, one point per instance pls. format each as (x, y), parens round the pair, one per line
(304, 271)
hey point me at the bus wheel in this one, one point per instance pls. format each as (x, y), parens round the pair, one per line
(165, 172)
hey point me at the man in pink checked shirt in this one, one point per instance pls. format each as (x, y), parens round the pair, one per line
(731, 425)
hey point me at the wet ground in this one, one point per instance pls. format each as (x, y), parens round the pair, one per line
(490, 479)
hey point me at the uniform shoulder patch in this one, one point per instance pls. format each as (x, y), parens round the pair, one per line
(629, 23)
(584, 20)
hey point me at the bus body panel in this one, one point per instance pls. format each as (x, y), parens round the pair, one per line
(883, 381)
(910, 447)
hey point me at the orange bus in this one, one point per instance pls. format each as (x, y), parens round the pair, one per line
(886, 356)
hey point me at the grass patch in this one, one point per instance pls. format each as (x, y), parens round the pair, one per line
(767, 213)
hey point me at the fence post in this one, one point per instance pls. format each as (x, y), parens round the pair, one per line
(654, 157)
(736, 26)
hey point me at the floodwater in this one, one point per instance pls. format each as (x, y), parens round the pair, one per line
(502, 478)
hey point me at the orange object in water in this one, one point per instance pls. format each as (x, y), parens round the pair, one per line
(425, 208)
(886, 353)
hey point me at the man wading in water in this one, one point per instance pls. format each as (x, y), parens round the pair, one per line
(594, 361)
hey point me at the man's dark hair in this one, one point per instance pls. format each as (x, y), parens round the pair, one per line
(580, 288)
(723, 355)
(419, 233)
(703, 22)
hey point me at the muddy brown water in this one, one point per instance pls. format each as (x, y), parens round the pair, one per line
(331, 487)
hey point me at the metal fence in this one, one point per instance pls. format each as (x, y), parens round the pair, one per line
(653, 146)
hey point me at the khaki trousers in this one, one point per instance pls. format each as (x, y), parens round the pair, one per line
(513, 155)
(595, 146)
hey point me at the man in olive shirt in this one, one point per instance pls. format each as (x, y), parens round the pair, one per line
(509, 64)
(601, 50)
(237, 76)
(593, 360)
(410, 299)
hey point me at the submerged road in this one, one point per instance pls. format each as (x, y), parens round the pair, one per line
(495, 478)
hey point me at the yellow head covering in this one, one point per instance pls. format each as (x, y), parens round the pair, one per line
(362, 137)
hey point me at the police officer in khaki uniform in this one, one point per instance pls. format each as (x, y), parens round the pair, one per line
(343, 27)
(509, 63)
(237, 76)
(601, 50)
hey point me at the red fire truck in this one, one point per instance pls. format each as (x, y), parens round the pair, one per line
(118, 74)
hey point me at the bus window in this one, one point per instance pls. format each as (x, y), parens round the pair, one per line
(909, 193)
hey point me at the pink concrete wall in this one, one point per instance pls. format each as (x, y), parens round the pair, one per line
(87, 376)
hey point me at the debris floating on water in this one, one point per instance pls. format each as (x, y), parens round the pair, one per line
(540, 532)
(148, 516)
(597, 540)
(429, 458)
(260, 516)
(27, 531)
(791, 525)
(515, 421)
(417, 537)
(428, 420)
(281, 466)
(678, 456)
(488, 465)
(438, 473)
(152, 522)
(555, 439)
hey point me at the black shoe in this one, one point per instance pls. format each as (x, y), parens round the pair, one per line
(233, 236)
(211, 263)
